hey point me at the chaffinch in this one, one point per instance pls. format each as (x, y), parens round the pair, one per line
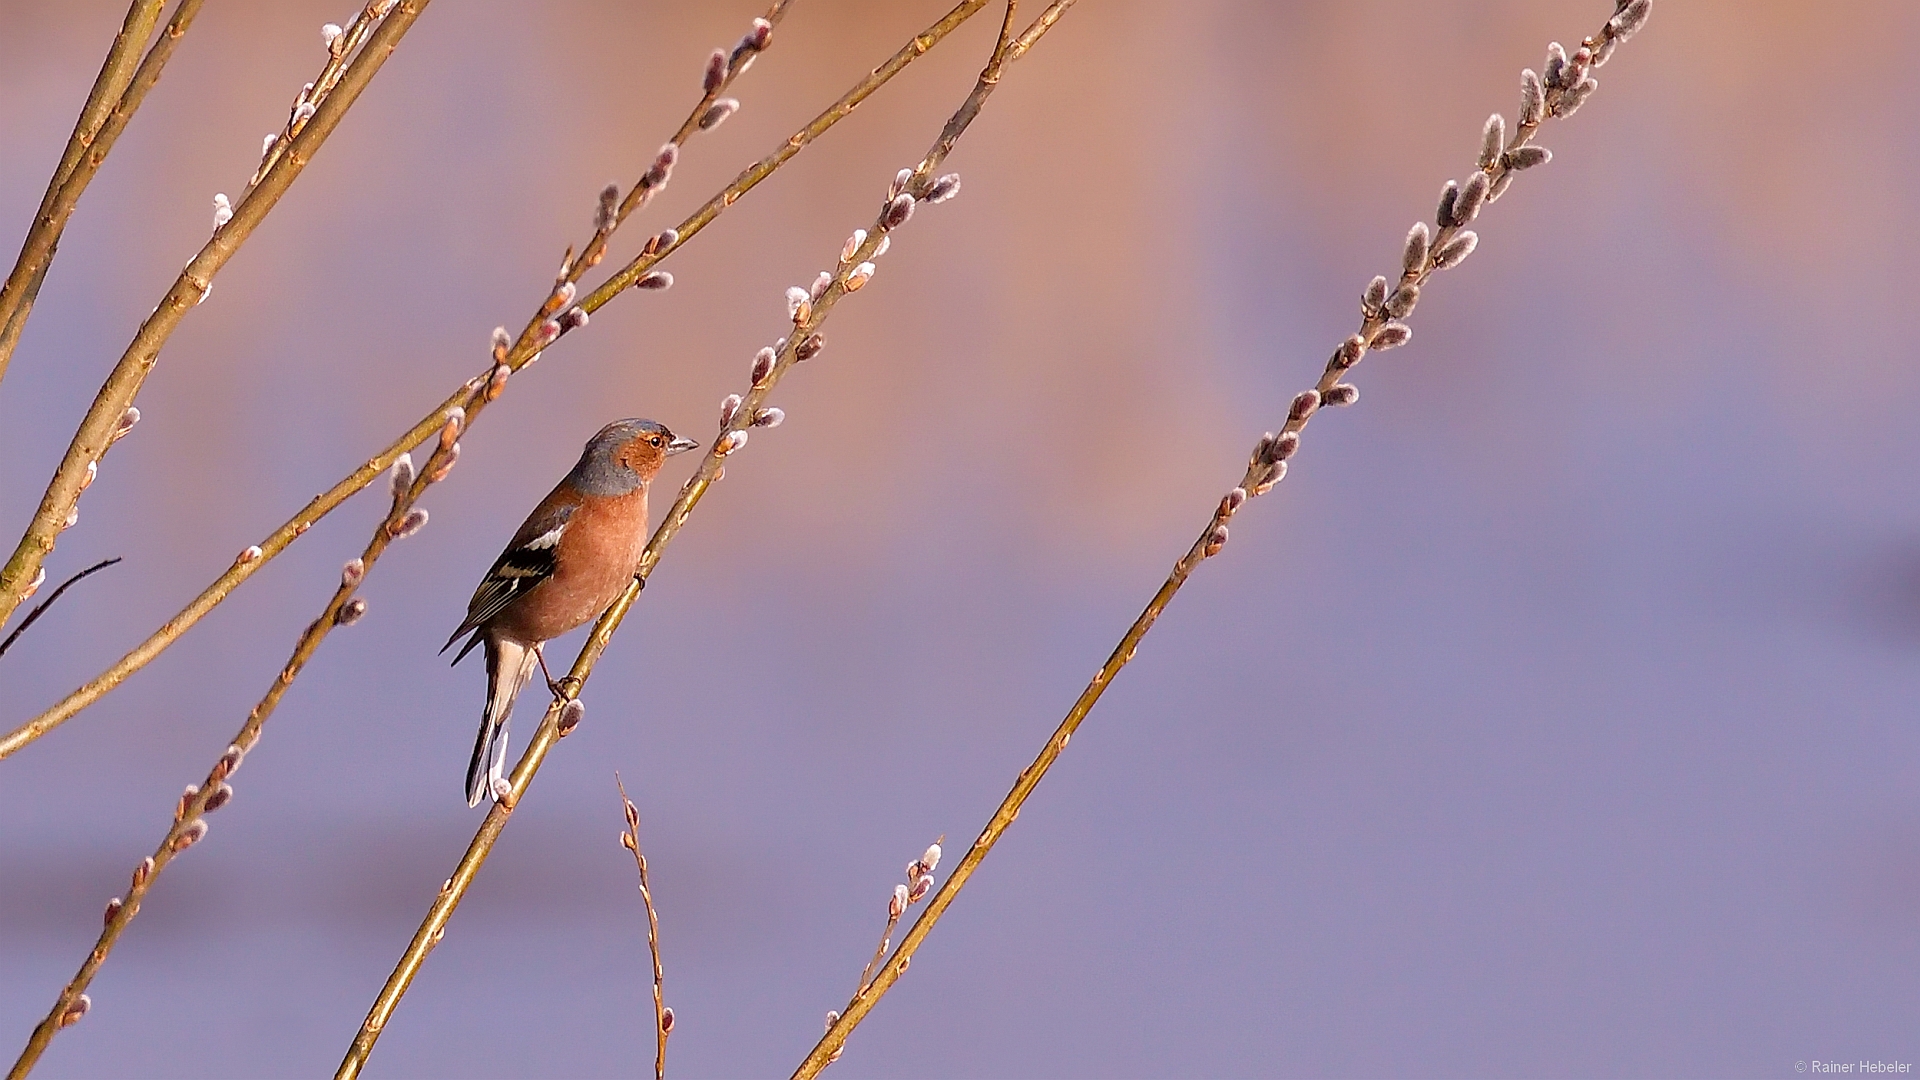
(571, 558)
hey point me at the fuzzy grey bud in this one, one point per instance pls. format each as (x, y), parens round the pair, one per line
(1454, 251)
(72, 1013)
(249, 554)
(1304, 404)
(799, 304)
(666, 1021)
(1373, 298)
(1605, 48)
(1349, 352)
(1285, 445)
(220, 796)
(544, 335)
(900, 181)
(1275, 473)
(729, 407)
(655, 280)
(497, 381)
(127, 420)
(760, 36)
(810, 348)
(1500, 186)
(222, 210)
(662, 167)
(230, 761)
(352, 573)
(1578, 65)
(852, 246)
(1527, 156)
(734, 441)
(769, 418)
(897, 904)
(143, 871)
(661, 241)
(1392, 336)
(1575, 96)
(350, 612)
(1449, 198)
(1472, 197)
(570, 716)
(1553, 74)
(1216, 540)
(1261, 450)
(762, 366)
(1413, 258)
(400, 480)
(943, 189)
(1533, 100)
(858, 278)
(1400, 304)
(195, 832)
(921, 887)
(1234, 500)
(608, 207)
(1493, 138)
(718, 112)
(1340, 394)
(896, 213)
(716, 72)
(113, 908)
(414, 520)
(1630, 19)
(820, 286)
(573, 318)
(502, 341)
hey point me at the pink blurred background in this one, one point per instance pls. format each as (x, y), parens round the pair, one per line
(1555, 717)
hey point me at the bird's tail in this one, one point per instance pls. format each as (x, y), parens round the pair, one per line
(509, 666)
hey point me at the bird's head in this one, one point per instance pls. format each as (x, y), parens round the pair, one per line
(625, 455)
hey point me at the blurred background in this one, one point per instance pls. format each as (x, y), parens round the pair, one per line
(1555, 716)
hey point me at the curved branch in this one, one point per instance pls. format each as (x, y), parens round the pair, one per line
(111, 94)
(96, 432)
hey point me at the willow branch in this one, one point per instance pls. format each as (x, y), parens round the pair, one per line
(110, 95)
(189, 819)
(662, 1016)
(96, 431)
(1564, 86)
(638, 272)
(853, 271)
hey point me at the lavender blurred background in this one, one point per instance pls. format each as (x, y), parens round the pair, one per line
(1555, 717)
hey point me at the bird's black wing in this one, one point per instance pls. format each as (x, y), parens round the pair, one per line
(528, 561)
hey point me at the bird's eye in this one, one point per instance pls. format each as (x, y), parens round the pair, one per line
(654, 439)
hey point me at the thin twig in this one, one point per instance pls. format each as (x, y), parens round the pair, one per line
(189, 824)
(40, 608)
(521, 354)
(1565, 85)
(733, 435)
(96, 432)
(662, 1016)
(107, 96)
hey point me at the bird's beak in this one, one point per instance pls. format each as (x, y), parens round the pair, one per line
(681, 445)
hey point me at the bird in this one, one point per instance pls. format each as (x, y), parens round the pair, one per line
(571, 558)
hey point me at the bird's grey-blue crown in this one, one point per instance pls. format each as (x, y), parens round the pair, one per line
(598, 473)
